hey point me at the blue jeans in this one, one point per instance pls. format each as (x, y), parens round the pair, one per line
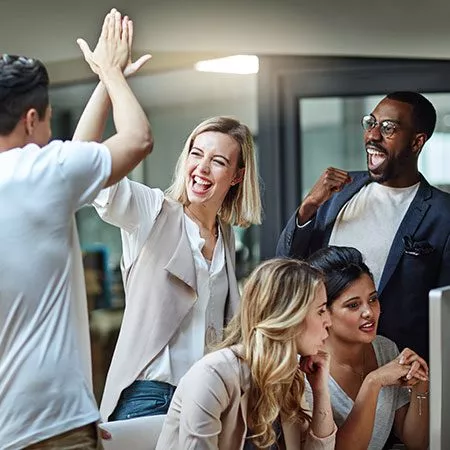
(143, 398)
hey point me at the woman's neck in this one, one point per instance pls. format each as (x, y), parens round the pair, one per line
(203, 216)
(345, 352)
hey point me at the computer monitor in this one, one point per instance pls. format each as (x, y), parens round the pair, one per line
(439, 300)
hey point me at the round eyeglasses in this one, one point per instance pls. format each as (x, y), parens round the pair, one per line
(387, 127)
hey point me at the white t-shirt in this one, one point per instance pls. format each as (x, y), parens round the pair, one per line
(370, 220)
(134, 208)
(390, 398)
(44, 340)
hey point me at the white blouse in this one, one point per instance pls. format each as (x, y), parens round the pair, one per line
(205, 320)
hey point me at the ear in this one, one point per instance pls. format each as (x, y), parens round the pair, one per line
(31, 119)
(238, 177)
(418, 143)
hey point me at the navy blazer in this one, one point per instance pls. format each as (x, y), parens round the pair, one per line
(418, 260)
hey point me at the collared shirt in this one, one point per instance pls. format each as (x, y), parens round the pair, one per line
(188, 344)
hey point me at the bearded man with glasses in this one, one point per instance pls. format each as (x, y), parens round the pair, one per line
(399, 222)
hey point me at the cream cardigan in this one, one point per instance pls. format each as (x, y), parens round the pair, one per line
(160, 290)
(209, 410)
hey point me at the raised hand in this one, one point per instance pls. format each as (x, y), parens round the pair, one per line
(332, 180)
(317, 369)
(132, 67)
(112, 49)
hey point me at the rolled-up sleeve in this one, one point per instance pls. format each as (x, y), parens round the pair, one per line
(313, 442)
(133, 207)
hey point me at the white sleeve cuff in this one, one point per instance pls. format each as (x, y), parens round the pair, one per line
(301, 226)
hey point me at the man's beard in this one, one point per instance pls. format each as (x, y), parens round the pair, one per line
(393, 168)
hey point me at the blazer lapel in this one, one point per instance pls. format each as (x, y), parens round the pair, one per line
(413, 217)
(181, 264)
(233, 300)
(244, 375)
(341, 199)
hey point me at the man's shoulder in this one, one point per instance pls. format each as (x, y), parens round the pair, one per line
(80, 148)
(58, 151)
(440, 200)
(440, 195)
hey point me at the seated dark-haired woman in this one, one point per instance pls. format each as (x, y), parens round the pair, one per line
(373, 387)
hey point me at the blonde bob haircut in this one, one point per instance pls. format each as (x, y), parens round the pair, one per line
(242, 204)
(274, 303)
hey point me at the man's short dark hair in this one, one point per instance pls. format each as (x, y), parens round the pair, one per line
(23, 86)
(424, 114)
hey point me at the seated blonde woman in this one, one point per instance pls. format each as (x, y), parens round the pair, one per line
(369, 378)
(249, 394)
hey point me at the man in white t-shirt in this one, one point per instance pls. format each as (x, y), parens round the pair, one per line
(46, 399)
(390, 213)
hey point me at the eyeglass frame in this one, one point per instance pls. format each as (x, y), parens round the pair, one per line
(382, 124)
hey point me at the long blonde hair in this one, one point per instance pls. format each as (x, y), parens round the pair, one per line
(242, 204)
(274, 303)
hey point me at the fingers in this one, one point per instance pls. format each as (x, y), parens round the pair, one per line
(310, 364)
(84, 47)
(140, 62)
(407, 356)
(406, 353)
(134, 67)
(117, 25)
(337, 173)
(105, 434)
(335, 179)
(130, 32)
(417, 372)
(125, 30)
(306, 364)
(106, 26)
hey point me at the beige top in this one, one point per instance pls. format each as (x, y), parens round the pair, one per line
(209, 410)
(160, 290)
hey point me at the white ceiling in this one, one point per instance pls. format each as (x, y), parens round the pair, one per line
(48, 28)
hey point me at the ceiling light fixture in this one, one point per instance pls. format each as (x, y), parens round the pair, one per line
(237, 64)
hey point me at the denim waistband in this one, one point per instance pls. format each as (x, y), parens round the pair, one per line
(142, 386)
